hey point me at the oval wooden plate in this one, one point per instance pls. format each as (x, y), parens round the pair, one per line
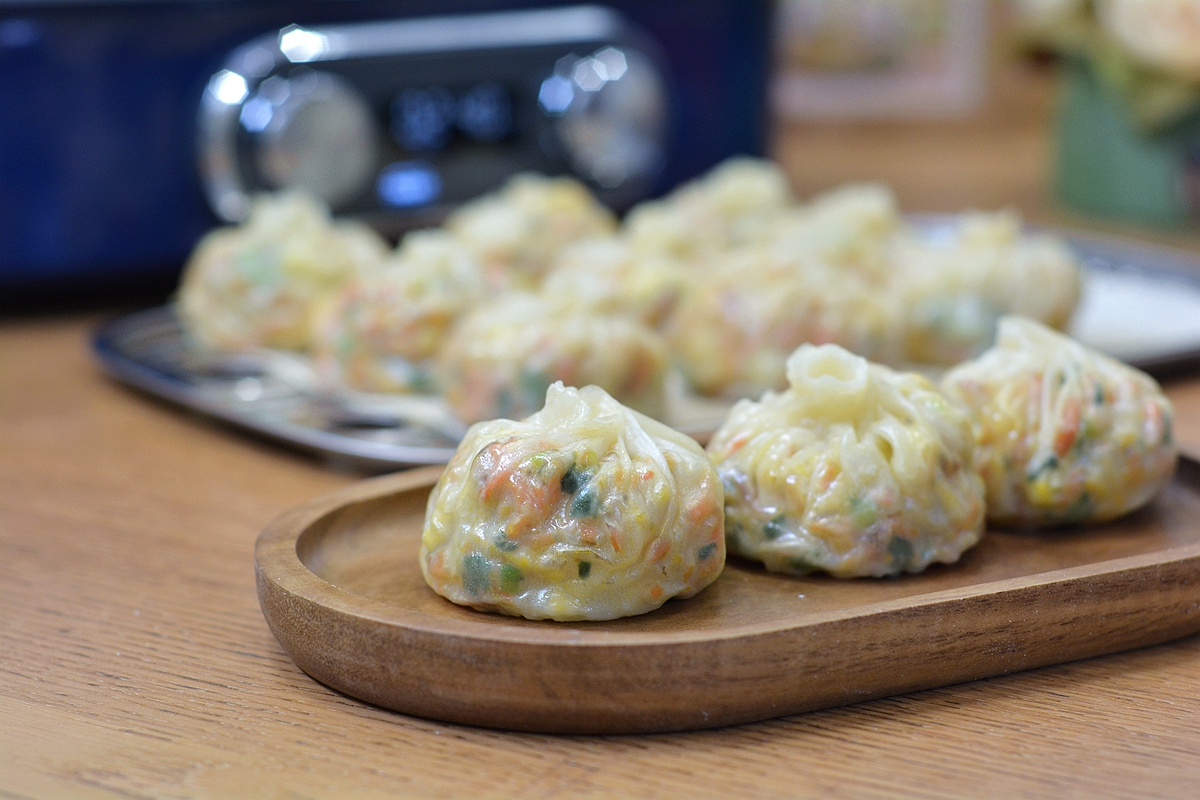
(340, 587)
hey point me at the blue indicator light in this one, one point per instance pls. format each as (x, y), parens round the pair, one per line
(407, 184)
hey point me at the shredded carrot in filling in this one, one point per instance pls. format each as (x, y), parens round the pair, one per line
(659, 550)
(1068, 427)
(584, 526)
(1064, 434)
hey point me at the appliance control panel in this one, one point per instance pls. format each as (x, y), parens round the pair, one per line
(398, 120)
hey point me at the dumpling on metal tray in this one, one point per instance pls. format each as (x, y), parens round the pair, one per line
(517, 231)
(262, 283)
(382, 331)
(503, 355)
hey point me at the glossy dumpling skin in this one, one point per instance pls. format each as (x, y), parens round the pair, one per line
(953, 290)
(383, 330)
(518, 231)
(854, 470)
(736, 202)
(612, 277)
(736, 324)
(501, 358)
(1064, 434)
(263, 283)
(585, 510)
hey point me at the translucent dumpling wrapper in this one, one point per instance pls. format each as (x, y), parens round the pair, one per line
(612, 277)
(737, 323)
(500, 359)
(585, 510)
(953, 289)
(518, 231)
(1063, 433)
(852, 227)
(261, 283)
(383, 331)
(855, 470)
(734, 203)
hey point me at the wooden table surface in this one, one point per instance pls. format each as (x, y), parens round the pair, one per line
(134, 660)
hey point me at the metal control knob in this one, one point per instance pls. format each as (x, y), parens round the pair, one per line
(312, 131)
(612, 112)
(266, 123)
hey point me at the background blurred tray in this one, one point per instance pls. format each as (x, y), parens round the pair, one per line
(340, 586)
(147, 350)
(1141, 303)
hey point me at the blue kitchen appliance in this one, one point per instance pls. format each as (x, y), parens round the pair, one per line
(128, 130)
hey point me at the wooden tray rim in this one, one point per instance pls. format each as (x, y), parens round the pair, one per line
(278, 562)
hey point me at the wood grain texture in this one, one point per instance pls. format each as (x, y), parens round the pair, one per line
(135, 662)
(339, 585)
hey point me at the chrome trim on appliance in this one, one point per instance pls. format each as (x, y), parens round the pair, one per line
(457, 32)
(220, 107)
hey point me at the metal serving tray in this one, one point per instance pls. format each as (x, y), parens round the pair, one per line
(1141, 303)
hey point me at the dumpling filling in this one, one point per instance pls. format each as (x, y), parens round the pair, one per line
(585, 510)
(854, 470)
(1063, 433)
(502, 357)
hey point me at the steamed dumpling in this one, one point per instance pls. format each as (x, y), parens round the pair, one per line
(851, 227)
(502, 356)
(517, 232)
(612, 277)
(733, 203)
(854, 469)
(383, 331)
(585, 510)
(261, 284)
(1064, 433)
(953, 289)
(735, 325)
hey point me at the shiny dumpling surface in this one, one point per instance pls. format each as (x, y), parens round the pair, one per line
(585, 510)
(854, 470)
(383, 330)
(502, 356)
(262, 283)
(953, 288)
(1064, 433)
(518, 231)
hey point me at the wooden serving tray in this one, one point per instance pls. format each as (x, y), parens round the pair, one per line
(340, 587)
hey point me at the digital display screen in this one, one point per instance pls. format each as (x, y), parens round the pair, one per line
(430, 119)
